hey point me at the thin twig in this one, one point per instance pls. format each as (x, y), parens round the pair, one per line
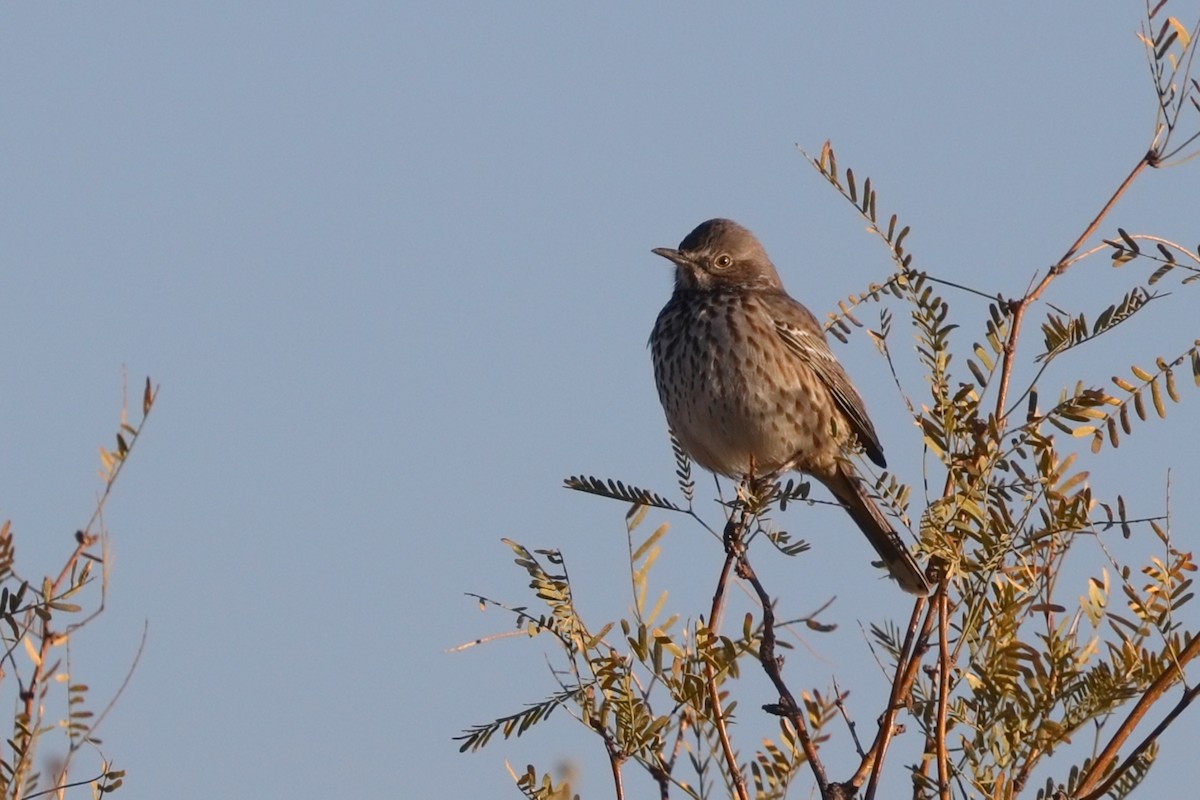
(837, 693)
(662, 773)
(718, 712)
(615, 755)
(137, 659)
(60, 787)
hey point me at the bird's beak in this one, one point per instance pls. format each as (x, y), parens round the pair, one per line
(674, 256)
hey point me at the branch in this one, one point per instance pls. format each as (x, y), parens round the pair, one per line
(906, 673)
(1132, 758)
(1100, 765)
(787, 706)
(615, 759)
(943, 758)
(1019, 307)
(733, 545)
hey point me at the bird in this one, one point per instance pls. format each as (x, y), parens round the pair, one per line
(750, 387)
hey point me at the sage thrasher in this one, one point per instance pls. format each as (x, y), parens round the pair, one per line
(750, 387)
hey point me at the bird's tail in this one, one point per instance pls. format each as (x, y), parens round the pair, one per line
(849, 490)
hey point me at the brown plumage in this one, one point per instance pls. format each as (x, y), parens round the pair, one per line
(748, 382)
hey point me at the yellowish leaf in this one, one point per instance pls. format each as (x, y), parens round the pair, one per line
(1122, 383)
(31, 652)
(1073, 481)
(1156, 396)
(1180, 31)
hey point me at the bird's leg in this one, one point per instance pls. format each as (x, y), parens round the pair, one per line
(758, 490)
(751, 483)
(754, 484)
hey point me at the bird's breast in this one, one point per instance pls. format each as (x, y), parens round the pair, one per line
(734, 395)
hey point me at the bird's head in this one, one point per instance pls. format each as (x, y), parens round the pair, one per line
(720, 254)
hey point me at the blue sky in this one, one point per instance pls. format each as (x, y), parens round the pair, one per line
(389, 264)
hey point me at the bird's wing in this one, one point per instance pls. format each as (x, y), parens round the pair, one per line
(802, 334)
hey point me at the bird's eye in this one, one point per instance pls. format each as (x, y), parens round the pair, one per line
(723, 261)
